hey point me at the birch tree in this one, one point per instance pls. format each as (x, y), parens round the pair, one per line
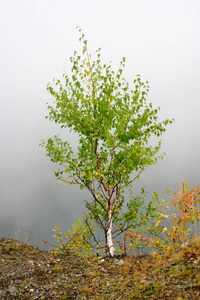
(114, 123)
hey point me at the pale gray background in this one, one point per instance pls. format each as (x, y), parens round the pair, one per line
(160, 40)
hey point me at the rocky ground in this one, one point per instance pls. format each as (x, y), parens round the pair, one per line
(27, 272)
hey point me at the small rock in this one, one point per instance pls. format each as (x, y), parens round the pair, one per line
(12, 289)
(2, 293)
(102, 260)
(80, 297)
(119, 262)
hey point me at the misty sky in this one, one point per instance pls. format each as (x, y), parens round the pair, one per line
(161, 42)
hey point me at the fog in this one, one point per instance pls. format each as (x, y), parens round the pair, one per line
(161, 42)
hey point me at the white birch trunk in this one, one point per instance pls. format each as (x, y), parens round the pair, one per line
(110, 245)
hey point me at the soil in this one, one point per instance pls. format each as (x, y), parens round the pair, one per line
(27, 272)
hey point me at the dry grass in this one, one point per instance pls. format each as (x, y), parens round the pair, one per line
(27, 272)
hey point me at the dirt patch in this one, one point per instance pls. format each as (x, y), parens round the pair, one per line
(27, 272)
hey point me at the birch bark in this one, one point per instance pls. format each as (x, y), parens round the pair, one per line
(110, 245)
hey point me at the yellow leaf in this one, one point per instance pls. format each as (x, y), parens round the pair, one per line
(157, 223)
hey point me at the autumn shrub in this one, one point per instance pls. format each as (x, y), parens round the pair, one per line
(153, 227)
(81, 239)
(77, 240)
(161, 235)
